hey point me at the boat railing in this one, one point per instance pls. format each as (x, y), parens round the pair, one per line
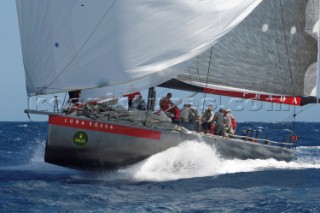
(253, 134)
(265, 141)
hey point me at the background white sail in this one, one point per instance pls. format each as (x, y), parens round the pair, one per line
(74, 44)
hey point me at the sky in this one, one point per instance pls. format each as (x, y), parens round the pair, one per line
(15, 101)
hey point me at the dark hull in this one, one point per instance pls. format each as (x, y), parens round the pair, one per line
(84, 144)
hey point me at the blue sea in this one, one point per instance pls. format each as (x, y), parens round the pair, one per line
(188, 178)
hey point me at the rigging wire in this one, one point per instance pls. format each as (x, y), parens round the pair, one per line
(297, 113)
(289, 64)
(163, 92)
(277, 41)
(190, 81)
(294, 119)
(198, 107)
(287, 49)
(64, 100)
(205, 94)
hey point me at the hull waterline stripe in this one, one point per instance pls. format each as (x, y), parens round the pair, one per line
(104, 127)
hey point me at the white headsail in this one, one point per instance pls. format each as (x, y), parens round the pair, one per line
(124, 45)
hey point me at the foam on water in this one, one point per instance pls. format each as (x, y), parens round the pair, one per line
(23, 125)
(193, 159)
(38, 154)
(37, 162)
(188, 160)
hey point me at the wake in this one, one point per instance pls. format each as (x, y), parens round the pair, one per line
(193, 159)
(190, 159)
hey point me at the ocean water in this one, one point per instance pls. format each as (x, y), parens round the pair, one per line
(187, 178)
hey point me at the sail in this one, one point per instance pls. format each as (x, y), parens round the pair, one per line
(270, 56)
(313, 28)
(122, 45)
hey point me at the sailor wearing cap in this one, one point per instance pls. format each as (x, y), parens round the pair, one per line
(207, 119)
(227, 120)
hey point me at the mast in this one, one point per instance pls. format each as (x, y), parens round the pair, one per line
(151, 98)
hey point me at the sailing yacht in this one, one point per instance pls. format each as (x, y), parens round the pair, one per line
(252, 49)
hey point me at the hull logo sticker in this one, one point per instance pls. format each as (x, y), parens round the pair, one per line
(80, 139)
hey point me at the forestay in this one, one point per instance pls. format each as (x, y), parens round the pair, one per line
(124, 45)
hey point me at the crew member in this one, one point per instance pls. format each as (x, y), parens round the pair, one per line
(227, 120)
(218, 119)
(187, 114)
(169, 108)
(131, 96)
(207, 120)
(165, 102)
(139, 103)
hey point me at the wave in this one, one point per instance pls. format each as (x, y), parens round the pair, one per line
(35, 162)
(23, 125)
(308, 148)
(190, 159)
(193, 159)
(38, 154)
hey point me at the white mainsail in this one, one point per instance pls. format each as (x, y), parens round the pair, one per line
(273, 52)
(124, 45)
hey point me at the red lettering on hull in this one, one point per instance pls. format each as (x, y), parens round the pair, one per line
(104, 127)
